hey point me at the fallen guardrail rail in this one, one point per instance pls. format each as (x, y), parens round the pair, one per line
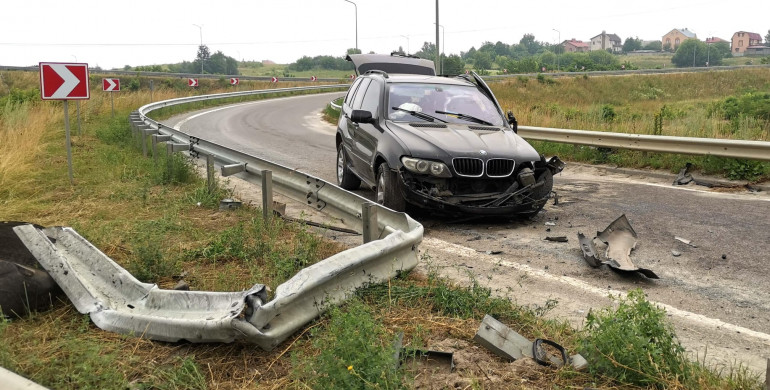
(116, 301)
(754, 150)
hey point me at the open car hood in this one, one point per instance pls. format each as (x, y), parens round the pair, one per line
(391, 64)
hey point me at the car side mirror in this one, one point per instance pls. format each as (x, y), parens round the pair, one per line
(361, 116)
(513, 122)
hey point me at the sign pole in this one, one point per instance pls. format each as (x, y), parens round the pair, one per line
(77, 104)
(69, 144)
(151, 92)
(112, 104)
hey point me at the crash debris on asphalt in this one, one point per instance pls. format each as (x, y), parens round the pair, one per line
(620, 239)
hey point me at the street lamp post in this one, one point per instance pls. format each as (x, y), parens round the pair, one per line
(407, 43)
(356, 8)
(200, 30)
(557, 50)
(443, 46)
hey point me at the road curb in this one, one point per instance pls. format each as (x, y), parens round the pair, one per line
(705, 180)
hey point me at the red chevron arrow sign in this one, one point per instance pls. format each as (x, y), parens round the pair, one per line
(192, 82)
(274, 79)
(234, 81)
(313, 78)
(64, 81)
(111, 85)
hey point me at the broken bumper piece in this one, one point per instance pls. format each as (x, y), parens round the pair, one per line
(620, 238)
(118, 302)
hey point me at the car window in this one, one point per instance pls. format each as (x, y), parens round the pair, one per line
(360, 94)
(429, 98)
(372, 98)
(352, 91)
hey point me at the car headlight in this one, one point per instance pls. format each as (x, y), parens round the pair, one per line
(426, 167)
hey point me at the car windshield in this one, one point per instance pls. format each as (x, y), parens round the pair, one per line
(459, 103)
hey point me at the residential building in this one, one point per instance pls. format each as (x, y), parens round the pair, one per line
(573, 46)
(715, 40)
(606, 41)
(675, 37)
(742, 40)
(757, 50)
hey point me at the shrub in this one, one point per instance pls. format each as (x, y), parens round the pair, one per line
(633, 343)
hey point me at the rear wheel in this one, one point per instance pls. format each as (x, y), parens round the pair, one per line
(345, 178)
(388, 193)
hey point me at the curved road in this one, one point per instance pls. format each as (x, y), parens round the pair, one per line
(717, 294)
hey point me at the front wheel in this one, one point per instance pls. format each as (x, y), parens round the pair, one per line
(345, 178)
(388, 193)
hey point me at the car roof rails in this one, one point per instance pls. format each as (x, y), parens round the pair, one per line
(400, 54)
(377, 71)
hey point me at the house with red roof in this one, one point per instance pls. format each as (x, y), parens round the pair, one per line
(574, 46)
(743, 40)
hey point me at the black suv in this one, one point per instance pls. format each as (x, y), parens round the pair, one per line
(436, 142)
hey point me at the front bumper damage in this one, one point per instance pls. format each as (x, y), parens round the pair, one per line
(524, 192)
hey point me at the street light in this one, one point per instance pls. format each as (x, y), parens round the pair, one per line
(407, 43)
(557, 50)
(356, 7)
(443, 46)
(200, 30)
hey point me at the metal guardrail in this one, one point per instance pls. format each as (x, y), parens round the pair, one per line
(752, 150)
(89, 278)
(188, 75)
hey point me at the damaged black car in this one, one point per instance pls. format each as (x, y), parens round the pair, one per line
(436, 142)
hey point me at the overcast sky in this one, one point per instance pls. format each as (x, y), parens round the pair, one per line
(140, 32)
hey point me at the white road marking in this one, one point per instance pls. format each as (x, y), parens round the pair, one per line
(462, 251)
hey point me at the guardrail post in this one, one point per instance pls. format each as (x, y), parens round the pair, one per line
(155, 139)
(210, 172)
(371, 231)
(267, 195)
(169, 162)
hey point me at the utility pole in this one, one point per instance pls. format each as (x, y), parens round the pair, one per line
(200, 30)
(438, 55)
(557, 50)
(443, 45)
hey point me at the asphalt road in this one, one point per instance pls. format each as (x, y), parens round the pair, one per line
(716, 293)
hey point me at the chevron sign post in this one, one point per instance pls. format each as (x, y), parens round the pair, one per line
(64, 81)
(192, 82)
(234, 81)
(111, 85)
(274, 80)
(313, 78)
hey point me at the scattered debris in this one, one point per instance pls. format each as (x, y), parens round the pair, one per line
(620, 238)
(589, 250)
(491, 252)
(506, 343)
(685, 241)
(557, 238)
(724, 256)
(435, 359)
(684, 176)
(676, 253)
(550, 224)
(229, 204)
(182, 286)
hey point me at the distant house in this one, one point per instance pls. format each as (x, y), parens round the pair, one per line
(715, 40)
(757, 50)
(268, 62)
(742, 40)
(675, 37)
(606, 41)
(574, 46)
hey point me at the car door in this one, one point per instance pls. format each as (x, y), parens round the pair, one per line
(344, 123)
(358, 153)
(367, 135)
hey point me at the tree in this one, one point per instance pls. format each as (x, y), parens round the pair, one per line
(693, 52)
(354, 51)
(528, 41)
(454, 64)
(201, 58)
(767, 38)
(666, 46)
(632, 44)
(482, 60)
(654, 45)
(428, 51)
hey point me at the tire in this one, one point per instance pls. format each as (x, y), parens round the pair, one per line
(541, 192)
(345, 178)
(388, 193)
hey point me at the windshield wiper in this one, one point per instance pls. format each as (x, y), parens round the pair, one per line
(466, 117)
(420, 115)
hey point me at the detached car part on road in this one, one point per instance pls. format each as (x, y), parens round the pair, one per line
(436, 142)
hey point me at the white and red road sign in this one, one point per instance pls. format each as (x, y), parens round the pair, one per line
(274, 80)
(352, 77)
(192, 82)
(543, 69)
(64, 81)
(111, 85)
(313, 78)
(234, 81)
(467, 72)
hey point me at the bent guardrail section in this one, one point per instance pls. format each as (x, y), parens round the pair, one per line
(118, 302)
